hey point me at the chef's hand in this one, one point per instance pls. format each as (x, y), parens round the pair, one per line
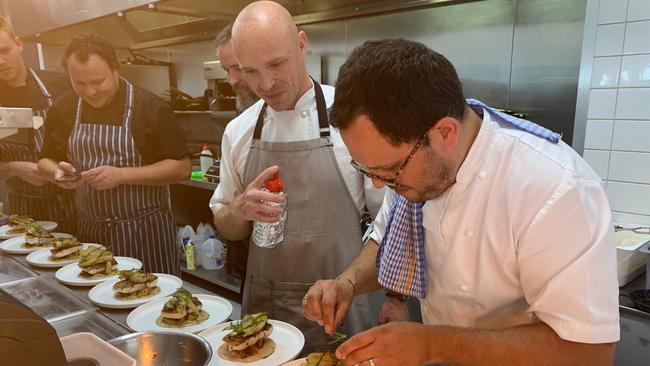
(248, 205)
(393, 310)
(397, 343)
(327, 302)
(63, 169)
(28, 172)
(103, 177)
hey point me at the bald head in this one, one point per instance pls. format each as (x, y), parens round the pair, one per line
(270, 51)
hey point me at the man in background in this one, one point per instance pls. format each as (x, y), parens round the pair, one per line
(244, 96)
(29, 193)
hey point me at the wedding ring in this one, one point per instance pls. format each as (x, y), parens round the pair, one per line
(371, 362)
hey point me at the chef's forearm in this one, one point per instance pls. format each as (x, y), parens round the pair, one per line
(160, 173)
(47, 167)
(231, 226)
(535, 344)
(362, 273)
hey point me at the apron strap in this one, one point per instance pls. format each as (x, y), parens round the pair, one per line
(321, 107)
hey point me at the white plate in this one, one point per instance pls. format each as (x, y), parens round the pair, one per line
(14, 245)
(103, 294)
(69, 274)
(41, 257)
(88, 345)
(288, 344)
(4, 229)
(144, 317)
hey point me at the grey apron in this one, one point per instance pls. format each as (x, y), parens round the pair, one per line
(47, 202)
(134, 220)
(322, 233)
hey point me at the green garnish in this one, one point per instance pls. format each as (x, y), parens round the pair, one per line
(337, 338)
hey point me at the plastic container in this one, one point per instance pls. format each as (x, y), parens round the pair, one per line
(183, 237)
(212, 257)
(270, 235)
(189, 255)
(206, 159)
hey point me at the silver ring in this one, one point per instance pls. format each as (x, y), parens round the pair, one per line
(371, 362)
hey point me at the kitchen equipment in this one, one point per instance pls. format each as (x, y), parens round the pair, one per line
(165, 348)
(87, 349)
(212, 174)
(12, 270)
(221, 97)
(26, 339)
(641, 299)
(11, 119)
(47, 298)
(630, 262)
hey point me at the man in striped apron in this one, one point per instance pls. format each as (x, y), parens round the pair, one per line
(501, 230)
(125, 145)
(29, 193)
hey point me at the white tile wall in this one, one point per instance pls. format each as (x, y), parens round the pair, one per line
(629, 197)
(602, 103)
(617, 142)
(629, 167)
(635, 70)
(631, 136)
(612, 11)
(605, 72)
(636, 37)
(599, 134)
(598, 160)
(631, 218)
(637, 10)
(609, 40)
(633, 103)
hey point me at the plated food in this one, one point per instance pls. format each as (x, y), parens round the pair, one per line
(182, 310)
(288, 341)
(36, 236)
(46, 257)
(104, 295)
(65, 249)
(17, 245)
(71, 274)
(322, 359)
(18, 224)
(248, 339)
(97, 263)
(136, 284)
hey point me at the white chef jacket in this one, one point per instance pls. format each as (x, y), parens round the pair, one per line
(298, 124)
(525, 234)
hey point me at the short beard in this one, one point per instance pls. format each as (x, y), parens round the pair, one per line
(245, 100)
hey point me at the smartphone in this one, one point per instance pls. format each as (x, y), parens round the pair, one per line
(70, 177)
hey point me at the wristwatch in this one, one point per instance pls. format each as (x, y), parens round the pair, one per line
(396, 295)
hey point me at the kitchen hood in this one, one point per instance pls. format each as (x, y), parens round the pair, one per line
(141, 24)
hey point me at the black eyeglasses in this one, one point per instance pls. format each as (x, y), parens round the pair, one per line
(390, 182)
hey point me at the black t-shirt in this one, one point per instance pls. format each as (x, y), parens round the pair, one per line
(154, 130)
(30, 95)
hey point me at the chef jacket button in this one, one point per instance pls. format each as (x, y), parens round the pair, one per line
(469, 233)
(463, 287)
(304, 114)
(482, 175)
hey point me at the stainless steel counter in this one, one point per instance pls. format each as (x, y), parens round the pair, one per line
(84, 316)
